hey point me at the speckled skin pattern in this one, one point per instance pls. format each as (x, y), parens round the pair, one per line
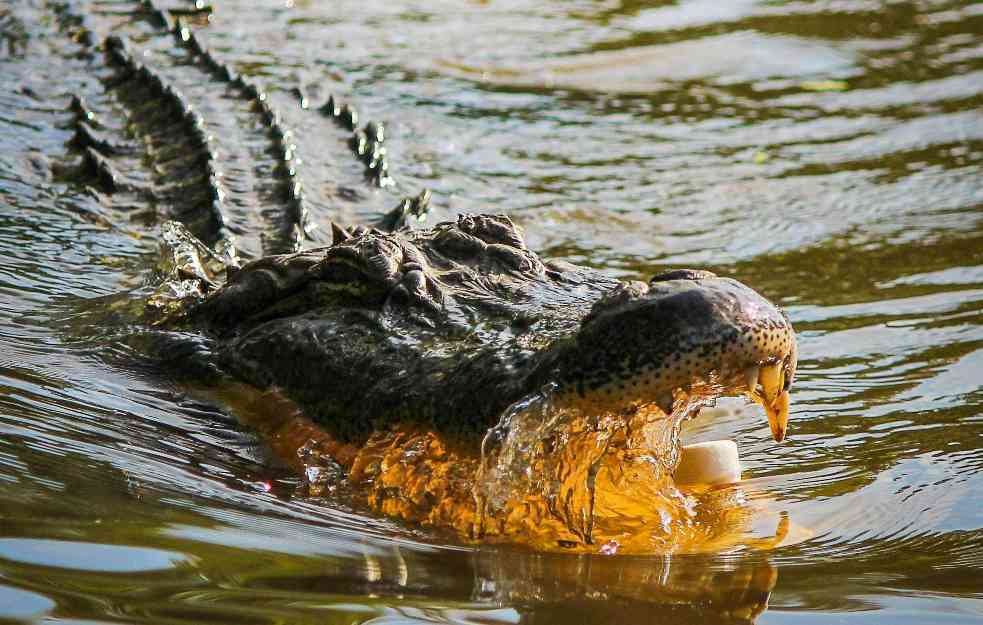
(682, 325)
(449, 326)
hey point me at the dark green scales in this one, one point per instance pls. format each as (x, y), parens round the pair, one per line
(446, 326)
(449, 326)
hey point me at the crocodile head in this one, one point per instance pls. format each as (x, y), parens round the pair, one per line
(641, 343)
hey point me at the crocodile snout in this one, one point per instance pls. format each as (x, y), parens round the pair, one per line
(644, 342)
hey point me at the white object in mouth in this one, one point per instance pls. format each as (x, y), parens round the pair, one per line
(711, 463)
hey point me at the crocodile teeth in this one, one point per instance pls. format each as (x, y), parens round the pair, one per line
(778, 416)
(772, 397)
(751, 376)
(772, 380)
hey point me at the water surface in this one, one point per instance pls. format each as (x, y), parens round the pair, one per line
(829, 154)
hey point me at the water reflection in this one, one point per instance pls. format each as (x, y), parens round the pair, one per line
(731, 58)
(550, 588)
(241, 564)
(65, 554)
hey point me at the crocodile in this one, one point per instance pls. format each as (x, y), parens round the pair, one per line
(449, 374)
(419, 353)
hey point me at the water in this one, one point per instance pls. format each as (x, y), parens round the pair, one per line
(826, 153)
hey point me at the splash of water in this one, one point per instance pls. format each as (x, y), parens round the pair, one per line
(588, 470)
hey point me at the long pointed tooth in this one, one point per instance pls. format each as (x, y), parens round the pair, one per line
(778, 416)
(751, 375)
(771, 381)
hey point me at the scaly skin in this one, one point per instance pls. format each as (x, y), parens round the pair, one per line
(404, 350)
(408, 348)
(449, 326)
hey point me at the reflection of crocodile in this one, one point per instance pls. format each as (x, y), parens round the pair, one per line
(556, 588)
(409, 348)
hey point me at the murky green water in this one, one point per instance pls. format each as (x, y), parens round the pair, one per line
(828, 154)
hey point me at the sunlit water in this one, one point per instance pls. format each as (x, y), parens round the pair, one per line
(826, 153)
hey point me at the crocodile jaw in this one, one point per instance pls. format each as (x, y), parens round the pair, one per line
(766, 386)
(696, 333)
